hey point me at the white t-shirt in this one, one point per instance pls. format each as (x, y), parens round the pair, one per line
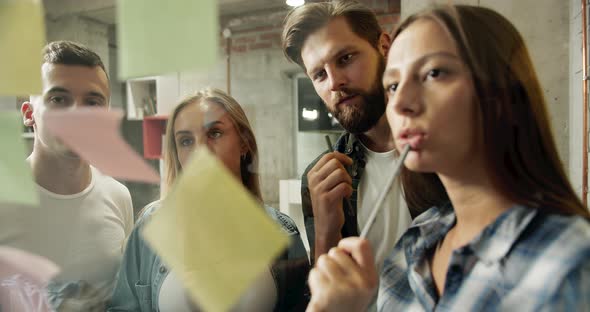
(261, 297)
(394, 218)
(82, 233)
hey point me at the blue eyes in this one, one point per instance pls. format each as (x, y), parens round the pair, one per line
(189, 141)
(186, 142)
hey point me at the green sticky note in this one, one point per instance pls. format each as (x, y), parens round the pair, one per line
(22, 36)
(15, 174)
(213, 234)
(157, 37)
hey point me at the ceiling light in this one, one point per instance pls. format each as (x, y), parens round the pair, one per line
(295, 3)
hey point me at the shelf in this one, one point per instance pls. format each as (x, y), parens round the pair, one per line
(141, 98)
(154, 127)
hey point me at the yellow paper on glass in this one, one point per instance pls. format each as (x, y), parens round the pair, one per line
(213, 234)
(22, 36)
(16, 178)
(157, 37)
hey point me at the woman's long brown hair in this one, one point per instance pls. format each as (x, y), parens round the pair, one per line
(519, 147)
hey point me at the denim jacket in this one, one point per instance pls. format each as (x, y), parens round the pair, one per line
(142, 271)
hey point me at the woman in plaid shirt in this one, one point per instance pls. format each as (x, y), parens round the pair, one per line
(464, 95)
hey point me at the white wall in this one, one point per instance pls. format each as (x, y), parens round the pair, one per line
(576, 106)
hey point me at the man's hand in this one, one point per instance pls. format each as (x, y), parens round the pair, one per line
(329, 183)
(345, 279)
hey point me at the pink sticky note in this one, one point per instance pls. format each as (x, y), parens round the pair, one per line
(23, 277)
(93, 133)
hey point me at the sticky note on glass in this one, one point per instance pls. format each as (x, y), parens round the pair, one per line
(16, 178)
(213, 234)
(22, 36)
(157, 37)
(93, 134)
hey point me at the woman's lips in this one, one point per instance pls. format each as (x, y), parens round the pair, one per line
(414, 139)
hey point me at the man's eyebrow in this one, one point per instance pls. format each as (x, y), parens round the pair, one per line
(64, 90)
(337, 53)
(96, 94)
(58, 89)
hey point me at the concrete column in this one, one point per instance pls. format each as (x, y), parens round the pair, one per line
(575, 95)
(93, 34)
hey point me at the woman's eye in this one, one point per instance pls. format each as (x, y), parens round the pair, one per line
(346, 58)
(186, 142)
(214, 134)
(392, 88)
(435, 73)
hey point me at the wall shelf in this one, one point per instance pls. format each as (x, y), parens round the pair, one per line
(154, 128)
(141, 98)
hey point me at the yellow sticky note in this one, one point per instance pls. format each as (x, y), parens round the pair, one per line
(157, 37)
(15, 174)
(22, 36)
(213, 234)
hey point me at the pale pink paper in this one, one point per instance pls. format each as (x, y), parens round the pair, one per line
(23, 277)
(93, 133)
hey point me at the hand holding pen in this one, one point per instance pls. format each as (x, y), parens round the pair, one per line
(329, 184)
(346, 278)
(347, 204)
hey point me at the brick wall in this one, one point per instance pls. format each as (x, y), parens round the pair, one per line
(265, 32)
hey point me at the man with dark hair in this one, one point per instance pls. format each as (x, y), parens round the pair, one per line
(84, 216)
(342, 48)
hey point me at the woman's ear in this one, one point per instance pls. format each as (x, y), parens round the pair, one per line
(27, 111)
(243, 151)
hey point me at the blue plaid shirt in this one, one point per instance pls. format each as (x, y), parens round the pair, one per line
(524, 261)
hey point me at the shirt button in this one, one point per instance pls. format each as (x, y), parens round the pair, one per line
(162, 269)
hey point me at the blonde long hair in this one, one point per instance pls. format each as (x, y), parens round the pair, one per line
(248, 164)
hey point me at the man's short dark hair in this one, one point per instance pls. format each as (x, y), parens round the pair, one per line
(308, 18)
(71, 53)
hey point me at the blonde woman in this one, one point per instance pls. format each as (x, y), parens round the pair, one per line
(213, 119)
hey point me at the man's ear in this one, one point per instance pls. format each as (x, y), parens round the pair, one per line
(384, 44)
(27, 111)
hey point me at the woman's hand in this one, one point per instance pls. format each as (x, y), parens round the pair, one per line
(344, 279)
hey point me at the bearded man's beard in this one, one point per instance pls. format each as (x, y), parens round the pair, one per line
(362, 116)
